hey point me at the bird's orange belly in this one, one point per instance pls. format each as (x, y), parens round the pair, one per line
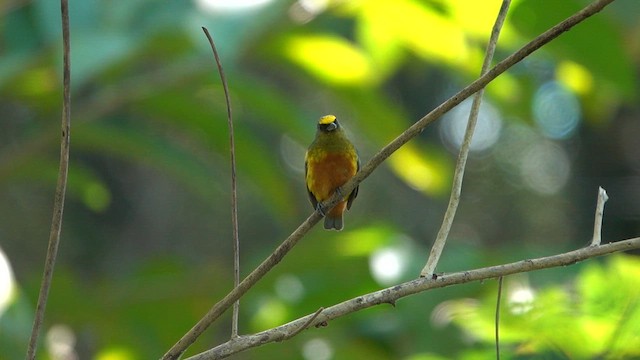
(327, 173)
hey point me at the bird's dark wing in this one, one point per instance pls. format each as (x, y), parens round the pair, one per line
(354, 193)
(312, 198)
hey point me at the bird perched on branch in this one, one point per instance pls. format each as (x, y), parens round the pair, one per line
(330, 162)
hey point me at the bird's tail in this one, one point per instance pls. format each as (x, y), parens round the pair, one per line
(331, 222)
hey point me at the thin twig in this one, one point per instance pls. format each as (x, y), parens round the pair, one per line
(272, 260)
(597, 225)
(456, 189)
(61, 187)
(234, 189)
(497, 324)
(395, 292)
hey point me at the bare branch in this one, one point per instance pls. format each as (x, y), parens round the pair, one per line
(234, 187)
(393, 293)
(221, 306)
(456, 189)
(61, 188)
(597, 225)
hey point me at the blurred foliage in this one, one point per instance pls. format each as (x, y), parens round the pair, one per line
(595, 317)
(145, 248)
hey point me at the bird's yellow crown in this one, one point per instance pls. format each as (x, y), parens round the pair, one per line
(327, 119)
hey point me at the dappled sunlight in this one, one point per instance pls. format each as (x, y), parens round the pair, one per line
(421, 29)
(575, 77)
(419, 171)
(330, 59)
(115, 353)
(477, 18)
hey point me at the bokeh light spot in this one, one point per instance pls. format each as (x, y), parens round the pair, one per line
(556, 110)
(7, 283)
(545, 168)
(387, 265)
(272, 312)
(289, 288)
(575, 77)
(116, 353)
(521, 299)
(61, 342)
(317, 349)
(96, 196)
(230, 5)
(487, 129)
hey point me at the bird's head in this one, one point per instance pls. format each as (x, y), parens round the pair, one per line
(328, 123)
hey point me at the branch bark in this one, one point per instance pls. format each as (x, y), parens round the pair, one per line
(391, 294)
(220, 307)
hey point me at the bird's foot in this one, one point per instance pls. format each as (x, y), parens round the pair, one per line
(339, 192)
(321, 209)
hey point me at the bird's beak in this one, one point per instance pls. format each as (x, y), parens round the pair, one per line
(332, 126)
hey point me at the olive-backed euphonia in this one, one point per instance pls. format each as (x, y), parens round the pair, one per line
(330, 162)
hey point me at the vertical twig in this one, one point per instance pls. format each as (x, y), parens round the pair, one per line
(597, 225)
(497, 324)
(234, 189)
(61, 187)
(450, 214)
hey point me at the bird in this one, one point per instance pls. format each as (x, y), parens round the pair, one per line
(330, 161)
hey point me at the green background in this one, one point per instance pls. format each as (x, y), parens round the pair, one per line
(146, 239)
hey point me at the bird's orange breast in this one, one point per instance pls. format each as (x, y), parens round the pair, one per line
(328, 171)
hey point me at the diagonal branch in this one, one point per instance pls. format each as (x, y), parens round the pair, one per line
(456, 189)
(61, 187)
(393, 293)
(221, 306)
